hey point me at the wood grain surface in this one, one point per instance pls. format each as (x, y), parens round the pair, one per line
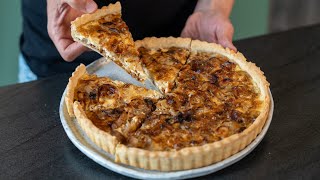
(35, 146)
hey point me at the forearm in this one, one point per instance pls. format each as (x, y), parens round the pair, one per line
(221, 6)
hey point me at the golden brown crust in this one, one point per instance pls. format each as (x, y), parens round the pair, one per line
(163, 42)
(73, 80)
(85, 18)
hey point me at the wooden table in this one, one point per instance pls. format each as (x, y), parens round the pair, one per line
(33, 144)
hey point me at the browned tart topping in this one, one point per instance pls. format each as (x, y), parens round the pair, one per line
(212, 99)
(112, 33)
(164, 64)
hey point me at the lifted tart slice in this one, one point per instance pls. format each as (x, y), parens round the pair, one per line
(105, 32)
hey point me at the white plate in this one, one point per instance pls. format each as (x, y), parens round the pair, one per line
(102, 67)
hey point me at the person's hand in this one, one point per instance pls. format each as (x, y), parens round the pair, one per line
(210, 26)
(60, 13)
(210, 22)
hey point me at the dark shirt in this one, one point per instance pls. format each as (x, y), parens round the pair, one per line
(144, 18)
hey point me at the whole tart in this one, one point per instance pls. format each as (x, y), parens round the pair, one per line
(216, 104)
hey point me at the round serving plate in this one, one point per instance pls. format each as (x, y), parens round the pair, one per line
(107, 68)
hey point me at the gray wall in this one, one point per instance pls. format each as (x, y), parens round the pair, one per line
(249, 18)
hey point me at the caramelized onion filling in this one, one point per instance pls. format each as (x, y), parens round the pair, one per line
(112, 33)
(212, 99)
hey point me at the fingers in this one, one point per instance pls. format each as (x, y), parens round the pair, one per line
(209, 27)
(69, 50)
(227, 43)
(59, 18)
(85, 6)
(184, 33)
(189, 30)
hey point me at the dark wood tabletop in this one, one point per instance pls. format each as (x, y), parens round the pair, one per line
(33, 144)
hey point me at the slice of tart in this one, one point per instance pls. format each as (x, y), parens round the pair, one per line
(105, 32)
(162, 59)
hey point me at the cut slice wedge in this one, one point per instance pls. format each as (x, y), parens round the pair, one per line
(105, 32)
(162, 59)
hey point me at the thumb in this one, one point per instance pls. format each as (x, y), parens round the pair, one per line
(185, 33)
(85, 6)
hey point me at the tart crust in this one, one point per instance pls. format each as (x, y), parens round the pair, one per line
(163, 42)
(185, 158)
(110, 9)
(73, 81)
